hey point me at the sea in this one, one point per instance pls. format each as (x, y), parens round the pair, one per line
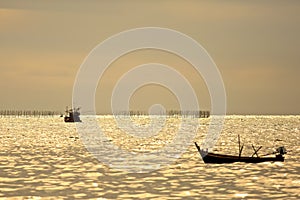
(46, 158)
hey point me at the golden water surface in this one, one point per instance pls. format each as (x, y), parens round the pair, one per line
(45, 158)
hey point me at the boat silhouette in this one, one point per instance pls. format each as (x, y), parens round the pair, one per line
(72, 115)
(209, 157)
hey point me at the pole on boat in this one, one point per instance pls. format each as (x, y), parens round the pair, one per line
(239, 145)
(240, 148)
(255, 151)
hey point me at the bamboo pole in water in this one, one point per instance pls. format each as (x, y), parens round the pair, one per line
(34, 113)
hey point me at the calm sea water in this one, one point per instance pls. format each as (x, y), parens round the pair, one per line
(45, 158)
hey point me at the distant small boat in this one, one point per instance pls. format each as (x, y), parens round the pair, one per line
(221, 158)
(72, 115)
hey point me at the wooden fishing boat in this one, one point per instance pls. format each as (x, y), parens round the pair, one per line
(209, 157)
(72, 115)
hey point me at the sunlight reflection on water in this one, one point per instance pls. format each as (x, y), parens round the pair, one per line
(43, 157)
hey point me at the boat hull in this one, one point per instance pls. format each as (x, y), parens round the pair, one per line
(220, 158)
(71, 119)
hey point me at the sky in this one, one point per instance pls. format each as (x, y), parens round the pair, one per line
(255, 45)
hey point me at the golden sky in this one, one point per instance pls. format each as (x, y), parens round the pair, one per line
(255, 45)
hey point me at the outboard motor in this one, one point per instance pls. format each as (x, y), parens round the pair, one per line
(281, 150)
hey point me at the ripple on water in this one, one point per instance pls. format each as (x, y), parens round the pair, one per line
(40, 157)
